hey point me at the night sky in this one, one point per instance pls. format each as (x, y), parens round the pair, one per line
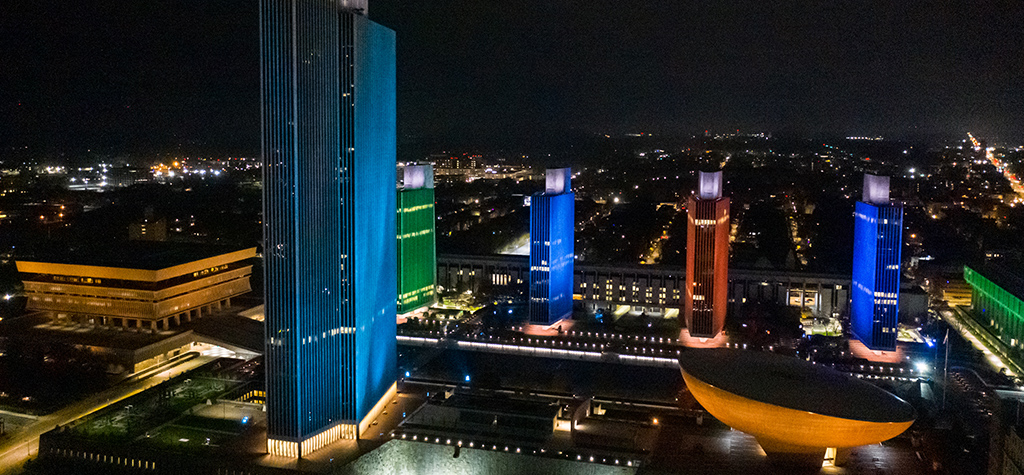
(182, 76)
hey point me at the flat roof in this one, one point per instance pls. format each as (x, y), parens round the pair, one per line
(148, 255)
(547, 375)
(500, 404)
(230, 329)
(134, 260)
(794, 384)
(36, 327)
(1001, 276)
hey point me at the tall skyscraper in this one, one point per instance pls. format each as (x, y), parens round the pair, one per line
(877, 243)
(707, 258)
(552, 241)
(417, 259)
(328, 128)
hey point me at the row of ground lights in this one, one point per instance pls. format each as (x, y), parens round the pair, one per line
(518, 450)
(591, 346)
(613, 336)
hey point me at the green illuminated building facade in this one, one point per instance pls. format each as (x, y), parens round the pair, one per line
(417, 259)
(996, 300)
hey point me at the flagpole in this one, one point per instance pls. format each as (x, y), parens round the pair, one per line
(945, 369)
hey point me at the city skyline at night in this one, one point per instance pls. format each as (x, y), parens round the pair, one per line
(376, 237)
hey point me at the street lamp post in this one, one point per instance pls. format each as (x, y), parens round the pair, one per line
(945, 369)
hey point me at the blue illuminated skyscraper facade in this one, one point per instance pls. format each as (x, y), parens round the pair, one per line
(328, 140)
(552, 241)
(878, 238)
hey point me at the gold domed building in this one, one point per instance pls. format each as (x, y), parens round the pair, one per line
(795, 409)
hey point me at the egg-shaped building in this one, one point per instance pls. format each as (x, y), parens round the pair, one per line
(793, 408)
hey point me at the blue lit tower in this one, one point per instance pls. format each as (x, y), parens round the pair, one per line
(328, 123)
(877, 240)
(552, 238)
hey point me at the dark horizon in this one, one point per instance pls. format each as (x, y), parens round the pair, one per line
(181, 77)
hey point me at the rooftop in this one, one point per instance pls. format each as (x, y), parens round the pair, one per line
(38, 327)
(500, 404)
(146, 255)
(1002, 276)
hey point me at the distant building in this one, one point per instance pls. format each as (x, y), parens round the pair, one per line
(877, 243)
(956, 292)
(446, 162)
(127, 176)
(652, 289)
(1006, 444)
(552, 241)
(707, 258)
(468, 168)
(139, 285)
(417, 258)
(913, 302)
(328, 145)
(149, 228)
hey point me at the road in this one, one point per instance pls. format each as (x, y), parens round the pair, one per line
(14, 452)
(1015, 183)
(978, 336)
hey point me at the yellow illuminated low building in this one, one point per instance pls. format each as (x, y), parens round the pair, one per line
(150, 285)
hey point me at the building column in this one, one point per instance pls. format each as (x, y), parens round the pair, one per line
(819, 301)
(177, 319)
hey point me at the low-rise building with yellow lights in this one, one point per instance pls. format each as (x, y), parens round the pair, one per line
(149, 285)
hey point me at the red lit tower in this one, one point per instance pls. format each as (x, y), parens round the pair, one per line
(707, 258)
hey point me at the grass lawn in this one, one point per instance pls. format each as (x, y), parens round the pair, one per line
(187, 438)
